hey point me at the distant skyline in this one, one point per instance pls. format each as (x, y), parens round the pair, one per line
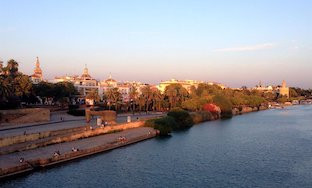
(232, 42)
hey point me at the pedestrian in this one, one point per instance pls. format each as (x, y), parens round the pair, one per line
(21, 160)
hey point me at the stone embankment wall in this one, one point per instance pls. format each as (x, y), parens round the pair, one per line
(7, 141)
(247, 109)
(33, 164)
(27, 115)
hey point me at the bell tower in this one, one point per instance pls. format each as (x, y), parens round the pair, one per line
(37, 70)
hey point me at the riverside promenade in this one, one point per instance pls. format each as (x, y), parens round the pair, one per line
(10, 164)
(26, 147)
(68, 122)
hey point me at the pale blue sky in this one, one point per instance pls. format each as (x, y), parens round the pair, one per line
(233, 42)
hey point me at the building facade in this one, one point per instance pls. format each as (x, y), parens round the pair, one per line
(84, 83)
(187, 84)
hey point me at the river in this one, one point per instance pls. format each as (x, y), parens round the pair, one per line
(271, 148)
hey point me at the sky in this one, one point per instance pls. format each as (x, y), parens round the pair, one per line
(237, 43)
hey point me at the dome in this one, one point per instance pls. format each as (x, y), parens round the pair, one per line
(110, 79)
(85, 75)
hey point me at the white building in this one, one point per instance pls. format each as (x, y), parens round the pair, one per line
(84, 83)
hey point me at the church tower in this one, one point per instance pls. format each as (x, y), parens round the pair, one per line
(37, 76)
(37, 70)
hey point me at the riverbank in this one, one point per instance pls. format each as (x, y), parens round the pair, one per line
(11, 165)
(42, 156)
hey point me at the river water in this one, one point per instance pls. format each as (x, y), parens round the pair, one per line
(270, 148)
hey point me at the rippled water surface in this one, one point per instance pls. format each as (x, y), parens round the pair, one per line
(271, 148)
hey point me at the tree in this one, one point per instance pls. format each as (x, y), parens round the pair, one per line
(5, 89)
(225, 105)
(113, 96)
(14, 85)
(176, 94)
(133, 95)
(293, 93)
(147, 96)
(23, 85)
(182, 117)
(12, 68)
(191, 104)
(210, 89)
(93, 95)
(157, 99)
(60, 92)
(141, 102)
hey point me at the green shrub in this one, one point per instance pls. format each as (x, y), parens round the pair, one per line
(225, 105)
(73, 106)
(182, 117)
(150, 123)
(201, 116)
(164, 125)
(77, 112)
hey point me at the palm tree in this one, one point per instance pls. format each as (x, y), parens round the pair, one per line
(141, 102)
(176, 94)
(5, 89)
(171, 93)
(11, 68)
(157, 99)
(147, 95)
(133, 96)
(113, 96)
(93, 95)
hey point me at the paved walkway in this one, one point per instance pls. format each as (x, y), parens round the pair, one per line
(11, 160)
(69, 123)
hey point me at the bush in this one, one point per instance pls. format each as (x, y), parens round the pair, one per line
(182, 117)
(201, 116)
(150, 123)
(213, 109)
(164, 125)
(73, 106)
(77, 112)
(225, 105)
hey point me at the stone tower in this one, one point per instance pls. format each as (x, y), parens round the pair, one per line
(284, 90)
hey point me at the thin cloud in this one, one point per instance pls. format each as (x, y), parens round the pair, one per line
(247, 48)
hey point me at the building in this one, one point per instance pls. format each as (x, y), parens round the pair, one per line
(187, 84)
(104, 85)
(37, 77)
(262, 88)
(283, 90)
(123, 87)
(84, 83)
